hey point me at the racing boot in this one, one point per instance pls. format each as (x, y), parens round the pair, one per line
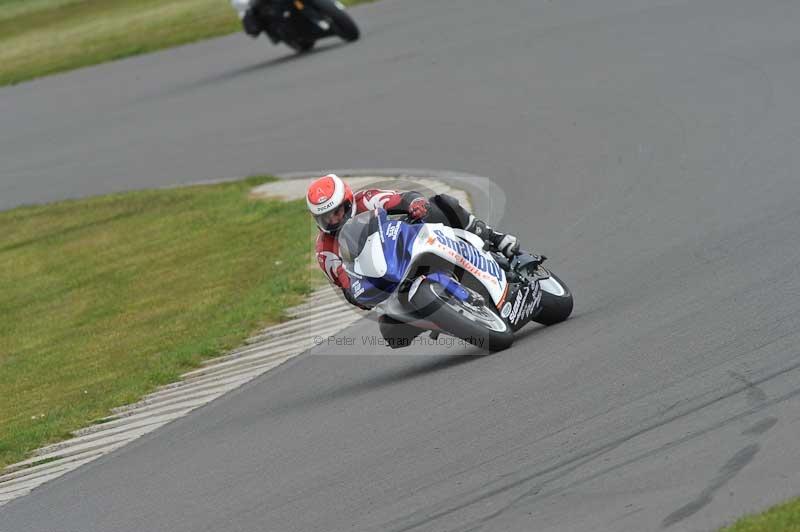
(507, 245)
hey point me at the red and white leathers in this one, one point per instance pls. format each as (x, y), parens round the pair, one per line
(394, 202)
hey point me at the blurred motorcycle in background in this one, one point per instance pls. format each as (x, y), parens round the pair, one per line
(298, 23)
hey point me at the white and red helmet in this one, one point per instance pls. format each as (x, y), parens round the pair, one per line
(331, 202)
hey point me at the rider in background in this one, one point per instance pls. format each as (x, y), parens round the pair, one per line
(253, 13)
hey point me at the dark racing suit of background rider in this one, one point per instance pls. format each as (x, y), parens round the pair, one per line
(256, 14)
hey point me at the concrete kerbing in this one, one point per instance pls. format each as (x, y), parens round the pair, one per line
(259, 354)
(484, 196)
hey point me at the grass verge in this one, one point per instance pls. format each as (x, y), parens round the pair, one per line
(106, 298)
(782, 518)
(41, 37)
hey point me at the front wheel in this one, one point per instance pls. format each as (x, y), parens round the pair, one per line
(480, 326)
(556, 303)
(341, 22)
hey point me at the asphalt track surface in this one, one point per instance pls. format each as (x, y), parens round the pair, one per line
(649, 147)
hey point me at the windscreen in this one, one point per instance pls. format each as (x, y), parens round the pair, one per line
(353, 235)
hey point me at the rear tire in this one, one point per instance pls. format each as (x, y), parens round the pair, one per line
(341, 22)
(554, 307)
(433, 306)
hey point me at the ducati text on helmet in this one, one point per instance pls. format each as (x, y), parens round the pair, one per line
(330, 201)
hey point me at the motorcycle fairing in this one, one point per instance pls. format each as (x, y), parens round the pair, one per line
(393, 247)
(522, 303)
(371, 262)
(384, 260)
(464, 250)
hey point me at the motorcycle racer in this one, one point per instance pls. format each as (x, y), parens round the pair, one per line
(253, 13)
(332, 202)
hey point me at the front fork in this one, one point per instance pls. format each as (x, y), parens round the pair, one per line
(455, 289)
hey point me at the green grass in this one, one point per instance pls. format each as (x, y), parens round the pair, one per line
(56, 35)
(781, 518)
(105, 299)
(40, 37)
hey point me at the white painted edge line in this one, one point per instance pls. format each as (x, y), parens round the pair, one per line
(321, 312)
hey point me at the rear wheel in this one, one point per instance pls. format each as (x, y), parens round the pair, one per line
(341, 22)
(479, 325)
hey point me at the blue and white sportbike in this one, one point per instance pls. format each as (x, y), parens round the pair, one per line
(431, 277)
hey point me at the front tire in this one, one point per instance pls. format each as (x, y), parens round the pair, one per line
(487, 331)
(556, 304)
(341, 22)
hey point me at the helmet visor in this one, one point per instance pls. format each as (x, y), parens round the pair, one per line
(332, 220)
